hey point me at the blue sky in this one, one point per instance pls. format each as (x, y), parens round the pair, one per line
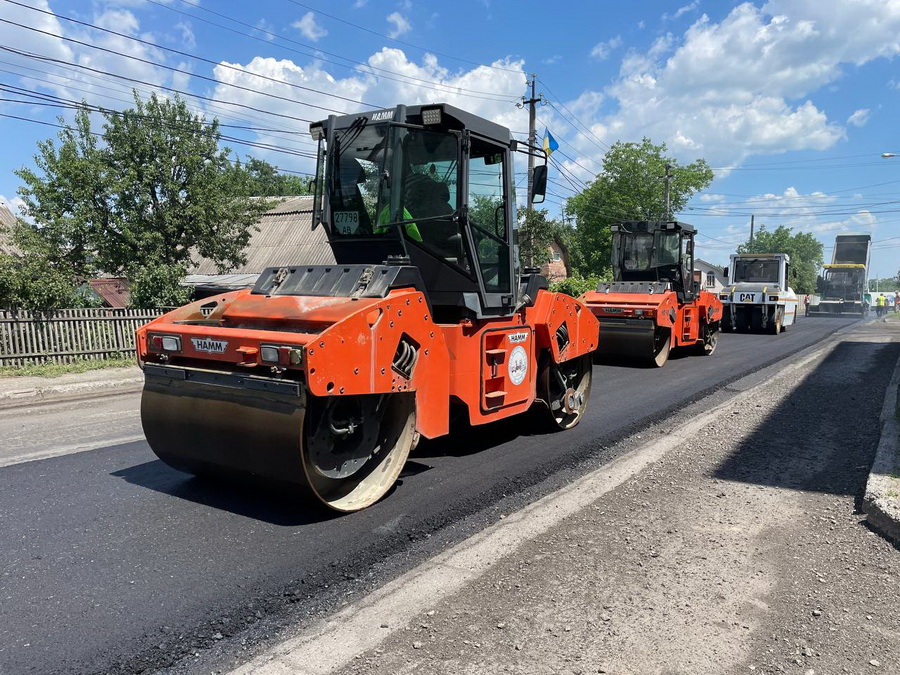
(792, 102)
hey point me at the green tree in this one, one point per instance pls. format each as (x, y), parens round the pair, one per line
(26, 282)
(805, 250)
(264, 180)
(36, 277)
(537, 233)
(630, 187)
(68, 201)
(576, 285)
(158, 190)
(158, 286)
(886, 284)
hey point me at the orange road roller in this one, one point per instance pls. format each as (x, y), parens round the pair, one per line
(325, 377)
(654, 303)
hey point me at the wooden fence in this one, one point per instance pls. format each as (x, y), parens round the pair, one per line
(69, 334)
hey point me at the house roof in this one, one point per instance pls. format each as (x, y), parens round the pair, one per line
(701, 261)
(114, 291)
(7, 220)
(285, 237)
(221, 283)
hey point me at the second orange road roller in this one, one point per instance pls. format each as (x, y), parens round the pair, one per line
(654, 304)
(325, 377)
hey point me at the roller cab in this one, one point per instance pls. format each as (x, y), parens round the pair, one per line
(325, 377)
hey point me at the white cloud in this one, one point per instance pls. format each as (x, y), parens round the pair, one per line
(602, 50)
(742, 86)
(687, 8)
(400, 25)
(864, 219)
(365, 86)
(859, 117)
(267, 29)
(181, 80)
(551, 60)
(309, 28)
(70, 77)
(817, 212)
(118, 20)
(187, 34)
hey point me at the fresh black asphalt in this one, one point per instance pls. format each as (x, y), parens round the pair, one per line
(110, 561)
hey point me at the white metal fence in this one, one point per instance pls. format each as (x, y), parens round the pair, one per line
(69, 334)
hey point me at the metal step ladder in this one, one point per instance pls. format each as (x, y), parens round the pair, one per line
(686, 323)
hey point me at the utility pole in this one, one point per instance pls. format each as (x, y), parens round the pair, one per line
(668, 198)
(532, 141)
(751, 233)
(532, 134)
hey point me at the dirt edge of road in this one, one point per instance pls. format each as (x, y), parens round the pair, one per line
(28, 391)
(882, 499)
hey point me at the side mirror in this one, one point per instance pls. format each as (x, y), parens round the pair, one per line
(538, 184)
(725, 272)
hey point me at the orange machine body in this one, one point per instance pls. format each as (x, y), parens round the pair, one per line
(655, 302)
(336, 346)
(657, 310)
(326, 376)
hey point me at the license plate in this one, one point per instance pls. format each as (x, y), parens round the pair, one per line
(346, 222)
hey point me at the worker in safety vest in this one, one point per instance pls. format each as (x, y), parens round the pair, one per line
(880, 303)
(384, 218)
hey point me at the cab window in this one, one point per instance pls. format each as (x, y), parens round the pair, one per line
(487, 214)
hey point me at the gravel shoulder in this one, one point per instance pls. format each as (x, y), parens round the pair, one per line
(742, 550)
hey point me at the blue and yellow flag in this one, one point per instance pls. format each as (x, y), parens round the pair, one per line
(550, 143)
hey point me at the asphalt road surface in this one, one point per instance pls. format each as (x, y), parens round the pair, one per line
(110, 561)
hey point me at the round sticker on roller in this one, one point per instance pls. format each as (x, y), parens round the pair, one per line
(518, 365)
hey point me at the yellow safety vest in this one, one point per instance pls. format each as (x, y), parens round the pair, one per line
(385, 217)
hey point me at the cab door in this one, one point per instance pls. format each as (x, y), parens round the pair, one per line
(487, 178)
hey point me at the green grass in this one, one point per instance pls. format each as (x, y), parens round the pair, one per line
(57, 369)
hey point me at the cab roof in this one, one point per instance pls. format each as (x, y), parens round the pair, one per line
(654, 225)
(451, 118)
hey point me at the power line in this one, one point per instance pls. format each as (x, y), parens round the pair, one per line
(153, 85)
(68, 103)
(589, 134)
(187, 55)
(212, 106)
(408, 44)
(106, 111)
(316, 52)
